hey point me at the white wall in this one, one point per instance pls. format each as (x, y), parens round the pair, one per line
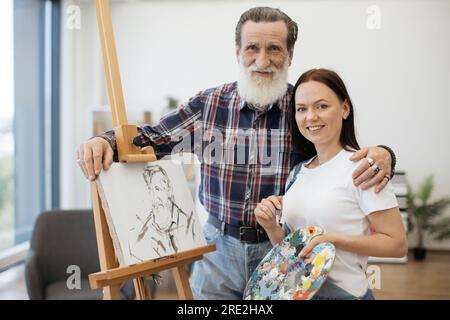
(398, 75)
(81, 90)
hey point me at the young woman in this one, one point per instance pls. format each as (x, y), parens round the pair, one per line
(320, 191)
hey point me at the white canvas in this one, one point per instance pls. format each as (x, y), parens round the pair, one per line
(149, 209)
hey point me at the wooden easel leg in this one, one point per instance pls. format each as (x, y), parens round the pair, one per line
(142, 292)
(137, 289)
(105, 246)
(181, 277)
(111, 292)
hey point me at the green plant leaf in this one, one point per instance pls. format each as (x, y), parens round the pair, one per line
(441, 229)
(410, 222)
(435, 209)
(425, 189)
(410, 197)
(172, 102)
(422, 215)
(419, 213)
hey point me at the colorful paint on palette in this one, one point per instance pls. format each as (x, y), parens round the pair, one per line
(283, 275)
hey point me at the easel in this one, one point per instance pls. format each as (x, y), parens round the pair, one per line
(112, 276)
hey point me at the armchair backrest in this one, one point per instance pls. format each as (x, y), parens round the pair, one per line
(62, 238)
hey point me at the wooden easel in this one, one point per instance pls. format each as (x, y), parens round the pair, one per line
(112, 276)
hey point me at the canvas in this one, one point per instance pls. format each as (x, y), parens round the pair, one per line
(149, 210)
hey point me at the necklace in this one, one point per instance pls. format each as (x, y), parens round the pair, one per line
(317, 163)
(313, 163)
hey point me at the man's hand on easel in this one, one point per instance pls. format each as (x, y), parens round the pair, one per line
(93, 156)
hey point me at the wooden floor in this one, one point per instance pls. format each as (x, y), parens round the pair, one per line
(425, 280)
(414, 280)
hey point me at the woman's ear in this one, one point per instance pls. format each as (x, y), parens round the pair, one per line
(345, 109)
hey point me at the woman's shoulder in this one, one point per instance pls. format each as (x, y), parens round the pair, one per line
(295, 170)
(347, 154)
(346, 167)
(293, 174)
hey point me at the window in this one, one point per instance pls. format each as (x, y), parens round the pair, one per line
(6, 125)
(29, 31)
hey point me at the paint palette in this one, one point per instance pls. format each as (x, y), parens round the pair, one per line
(283, 275)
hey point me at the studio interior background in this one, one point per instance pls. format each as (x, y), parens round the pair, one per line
(393, 56)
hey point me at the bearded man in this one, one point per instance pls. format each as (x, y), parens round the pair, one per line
(249, 120)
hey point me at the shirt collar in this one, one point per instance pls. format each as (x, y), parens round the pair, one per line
(245, 104)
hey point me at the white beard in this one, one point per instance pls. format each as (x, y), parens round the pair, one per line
(259, 91)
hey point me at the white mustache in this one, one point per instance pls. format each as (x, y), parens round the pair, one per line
(254, 67)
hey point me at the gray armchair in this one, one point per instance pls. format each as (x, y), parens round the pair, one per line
(60, 239)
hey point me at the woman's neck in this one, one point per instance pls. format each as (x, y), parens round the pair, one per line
(327, 152)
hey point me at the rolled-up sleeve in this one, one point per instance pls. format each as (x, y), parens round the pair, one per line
(172, 129)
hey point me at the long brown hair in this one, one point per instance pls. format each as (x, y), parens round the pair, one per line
(332, 80)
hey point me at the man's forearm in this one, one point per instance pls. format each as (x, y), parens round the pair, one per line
(141, 139)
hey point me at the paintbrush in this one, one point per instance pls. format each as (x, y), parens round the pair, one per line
(278, 212)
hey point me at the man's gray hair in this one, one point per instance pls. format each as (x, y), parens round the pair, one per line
(267, 14)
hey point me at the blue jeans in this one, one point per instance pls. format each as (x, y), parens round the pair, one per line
(223, 274)
(330, 291)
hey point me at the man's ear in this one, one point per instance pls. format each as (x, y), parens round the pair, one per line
(291, 55)
(238, 50)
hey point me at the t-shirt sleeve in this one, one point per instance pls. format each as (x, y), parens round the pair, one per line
(370, 202)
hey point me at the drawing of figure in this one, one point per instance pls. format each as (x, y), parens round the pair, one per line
(156, 229)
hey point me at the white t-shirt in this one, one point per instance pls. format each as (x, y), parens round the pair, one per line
(325, 196)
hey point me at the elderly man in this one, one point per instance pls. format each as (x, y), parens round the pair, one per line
(254, 113)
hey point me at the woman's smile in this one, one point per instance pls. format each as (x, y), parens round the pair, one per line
(315, 130)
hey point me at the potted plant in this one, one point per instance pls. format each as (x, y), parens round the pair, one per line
(422, 215)
(172, 102)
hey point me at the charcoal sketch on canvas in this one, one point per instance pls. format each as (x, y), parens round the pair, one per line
(164, 217)
(149, 210)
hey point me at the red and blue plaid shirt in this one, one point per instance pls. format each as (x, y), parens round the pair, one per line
(246, 155)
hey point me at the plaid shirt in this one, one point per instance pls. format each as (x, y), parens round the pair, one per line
(246, 155)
